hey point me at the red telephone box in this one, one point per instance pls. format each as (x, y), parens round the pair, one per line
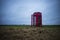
(36, 19)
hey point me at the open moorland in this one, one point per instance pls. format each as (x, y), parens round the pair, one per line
(29, 33)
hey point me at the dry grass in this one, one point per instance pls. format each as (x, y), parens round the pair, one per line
(31, 33)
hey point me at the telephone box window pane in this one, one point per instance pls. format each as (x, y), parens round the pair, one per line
(39, 20)
(34, 20)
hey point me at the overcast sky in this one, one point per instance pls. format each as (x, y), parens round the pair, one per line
(19, 11)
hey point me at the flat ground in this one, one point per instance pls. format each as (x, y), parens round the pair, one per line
(29, 33)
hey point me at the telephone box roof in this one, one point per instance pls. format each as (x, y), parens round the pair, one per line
(37, 13)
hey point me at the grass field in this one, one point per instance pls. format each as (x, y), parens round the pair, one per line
(26, 32)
